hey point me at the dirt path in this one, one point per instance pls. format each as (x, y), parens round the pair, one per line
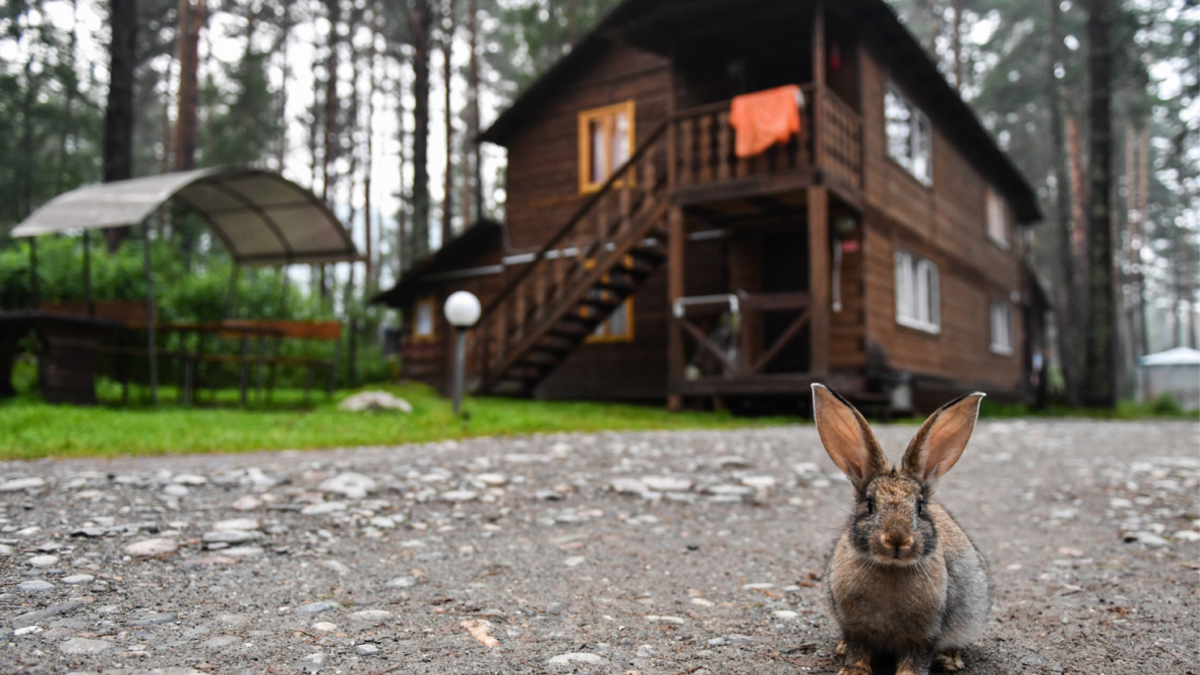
(664, 553)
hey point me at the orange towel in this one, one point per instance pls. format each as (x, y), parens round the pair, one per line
(765, 118)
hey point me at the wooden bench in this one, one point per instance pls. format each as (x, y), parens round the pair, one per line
(272, 331)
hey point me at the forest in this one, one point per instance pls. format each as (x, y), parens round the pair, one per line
(375, 105)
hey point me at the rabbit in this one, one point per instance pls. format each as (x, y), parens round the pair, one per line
(904, 581)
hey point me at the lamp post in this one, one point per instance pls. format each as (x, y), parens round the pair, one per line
(462, 310)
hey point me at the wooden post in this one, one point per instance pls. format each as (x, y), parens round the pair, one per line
(818, 278)
(151, 346)
(87, 274)
(818, 102)
(676, 238)
(231, 292)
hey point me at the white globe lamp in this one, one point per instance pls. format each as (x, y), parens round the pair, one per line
(462, 310)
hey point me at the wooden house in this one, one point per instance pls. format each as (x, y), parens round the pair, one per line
(878, 249)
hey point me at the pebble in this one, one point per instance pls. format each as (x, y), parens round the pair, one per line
(248, 524)
(352, 485)
(374, 616)
(573, 561)
(218, 643)
(35, 586)
(366, 649)
(575, 657)
(189, 479)
(492, 479)
(1187, 535)
(243, 551)
(402, 582)
(175, 490)
(155, 619)
(459, 495)
(84, 646)
(43, 561)
(337, 566)
(383, 523)
(324, 627)
(785, 614)
(759, 482)
(149, 547)
(323, 508)
(247, 503)
(231, 536)
(317, 607)
(667, 483)
(78, 579)
(17, 484)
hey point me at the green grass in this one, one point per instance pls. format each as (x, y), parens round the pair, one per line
(1161, 409)
(31, 429)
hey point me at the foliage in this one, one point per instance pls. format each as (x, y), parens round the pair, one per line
(30, 429)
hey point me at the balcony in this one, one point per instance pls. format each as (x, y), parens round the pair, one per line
(828, 149)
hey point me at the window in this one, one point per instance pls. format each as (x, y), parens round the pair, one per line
(425, 320)
(997, 219)
(917, 296)
(1002, 328)
(606, 140)
(908, 135)
(618, 327)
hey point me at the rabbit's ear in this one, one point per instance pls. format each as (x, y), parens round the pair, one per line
(847, 438)
(942, 438)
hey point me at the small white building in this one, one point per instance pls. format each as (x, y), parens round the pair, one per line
(1175, 372)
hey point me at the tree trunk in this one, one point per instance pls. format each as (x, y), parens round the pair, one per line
(333, 9)
(472, 172)
(1066, 296)
(1099, 383)
(118, 115)
(957, 46)
(191, 18)
(370, 282)
(403, 238)
(422, 20)
(448, 27)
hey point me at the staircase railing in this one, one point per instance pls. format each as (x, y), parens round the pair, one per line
(555, 274)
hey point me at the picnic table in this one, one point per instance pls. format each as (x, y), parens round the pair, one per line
(69, 347)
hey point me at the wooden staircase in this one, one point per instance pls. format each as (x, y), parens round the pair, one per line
(603, 253)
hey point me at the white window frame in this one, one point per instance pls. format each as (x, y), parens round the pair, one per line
(997, 219)
(1001, 327)
(918, 293)
(911, 148)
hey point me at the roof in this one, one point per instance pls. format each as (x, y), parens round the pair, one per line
(655, 25)
(262, 217)
(475, 239)
(1179, 356)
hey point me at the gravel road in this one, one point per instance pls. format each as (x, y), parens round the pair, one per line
(653, 553)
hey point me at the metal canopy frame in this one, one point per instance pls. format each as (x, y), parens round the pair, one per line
(261, 217)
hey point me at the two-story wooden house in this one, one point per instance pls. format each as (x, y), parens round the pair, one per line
(876, 250)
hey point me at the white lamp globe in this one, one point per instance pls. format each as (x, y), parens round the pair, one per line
(462, 309)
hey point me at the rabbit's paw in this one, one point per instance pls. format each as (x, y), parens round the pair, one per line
(855, 669)
(950, 662)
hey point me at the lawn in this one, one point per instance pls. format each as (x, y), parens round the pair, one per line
(31, 429)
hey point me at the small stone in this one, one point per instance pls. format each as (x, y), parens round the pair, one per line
(150, 547)
(337, 566)
(573, 561)
(575, 657)
(459, 495)
(785, 614)
(78, 579)
(232, 620)
(27, 630)
(402, 582)
(175, 490)
(1149, 539)
(18, 484)
(375, 400)
(1187, 535)
(492, 479)
(35, 586)
(735, 639)
(220, 642)
(373, 616)
(366, 649)
(383, 523)
(629, 486)
(84, 646)
(667, 483)
(729, 490)
(702, 602)
(155, 619)
(189, 479)
(314, 662)
(246, 524)
(323, 508)
(247, 503)
(759, 482)
(324, 627)
(352, 485)
(757, 587)
(43, 561)
(231, 536)
(317, 607)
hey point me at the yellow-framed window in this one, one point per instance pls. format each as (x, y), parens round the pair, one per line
(424, 320)
(618, 327)
(606, 141)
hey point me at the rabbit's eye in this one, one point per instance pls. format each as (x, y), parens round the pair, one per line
(920, 508)
(870, 505)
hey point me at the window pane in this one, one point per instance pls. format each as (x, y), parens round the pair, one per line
(899, 128)
(620, 141)
(599, 171)
(933, 317)
(618, 321)
(424, 318)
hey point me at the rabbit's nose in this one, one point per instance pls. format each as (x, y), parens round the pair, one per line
(897, 540)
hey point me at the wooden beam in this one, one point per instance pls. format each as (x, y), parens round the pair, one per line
(783, 341)
(818, 102)
(676, 239)
(708, 344)
(818, 277)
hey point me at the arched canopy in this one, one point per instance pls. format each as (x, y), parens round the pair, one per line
(262, 217)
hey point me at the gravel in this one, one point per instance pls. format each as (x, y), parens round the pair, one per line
(654, 552)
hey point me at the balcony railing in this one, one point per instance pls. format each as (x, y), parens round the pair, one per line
(704, 144)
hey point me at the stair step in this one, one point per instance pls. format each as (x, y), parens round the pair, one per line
(540, 357)
(555, 344)
(522, 372)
